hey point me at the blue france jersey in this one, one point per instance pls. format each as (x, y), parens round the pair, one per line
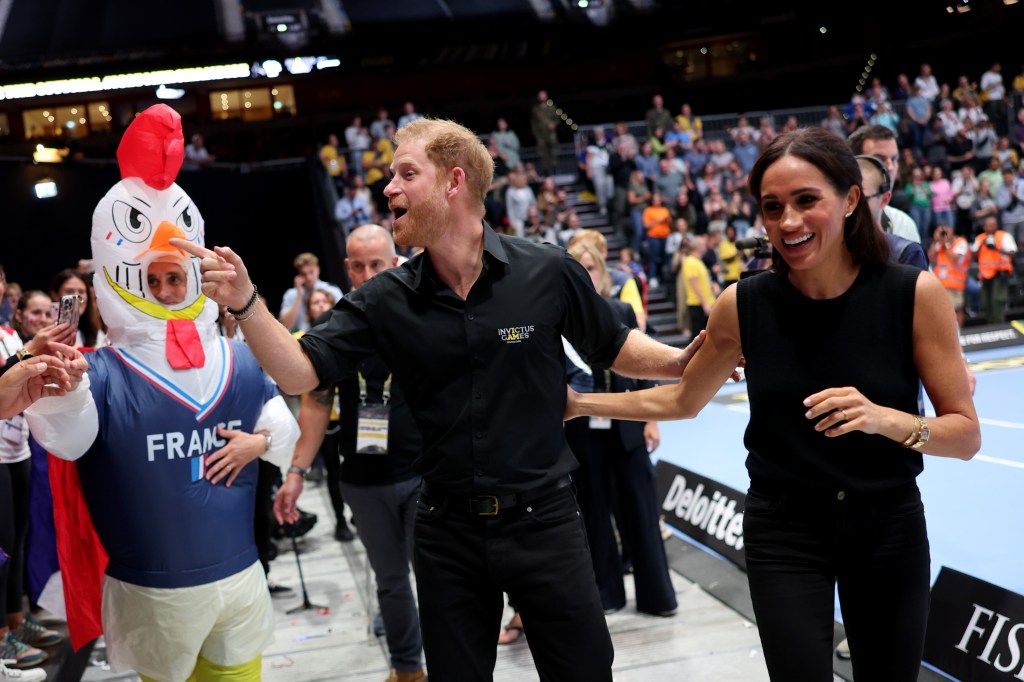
(162, 524)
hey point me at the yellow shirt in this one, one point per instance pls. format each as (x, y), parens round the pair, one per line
(334, 164)
(383, 154)
(731, 269)
(630, 294)
(694, 267)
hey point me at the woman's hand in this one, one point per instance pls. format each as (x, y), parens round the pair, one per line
(652, 437)
(845, 410)
(56, 333)
(229, 461)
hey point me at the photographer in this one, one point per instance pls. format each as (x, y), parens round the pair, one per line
(994, 248)
(950, 256)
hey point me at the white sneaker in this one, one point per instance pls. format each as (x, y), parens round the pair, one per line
(33, 675)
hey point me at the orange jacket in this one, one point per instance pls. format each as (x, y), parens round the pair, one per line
(991, 261)
(950, 268)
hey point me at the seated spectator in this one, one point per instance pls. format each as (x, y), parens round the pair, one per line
(196, 154)
(949, 118)
(690, 123)
(885, 116)
(745, 152)
(742, 126)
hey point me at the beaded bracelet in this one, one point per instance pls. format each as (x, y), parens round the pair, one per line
(252, 301)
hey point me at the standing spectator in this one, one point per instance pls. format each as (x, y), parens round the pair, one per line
(599, 153)
(880, 142)
(965, 187)
(919, 111)
(658, 117)
(616, 473)
(984, 139)
(296, 299)
(518, 200)
(408, 117)
(699, 293)
(964, 89)
(639, 197)
(994, 251)
(949, 118)
(508, 143)
(1010, 200)
(730, 257)
(357, 137)
(333, 162)
(984, 206)
(950, 256)
(993, 95)
(742, 126)
(658, 224)
(377, 480)
(925, 84)
(544, 126)
(942, 198)
(379, 127)
(920, 195)
(858, 119)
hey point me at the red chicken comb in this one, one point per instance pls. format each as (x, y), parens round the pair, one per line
(153, 147)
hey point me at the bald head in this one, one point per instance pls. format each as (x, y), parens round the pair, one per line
(371, 250)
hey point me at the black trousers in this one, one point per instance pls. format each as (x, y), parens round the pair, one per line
(537, 552)
(14, 483)
(610, 474)
(800, 545)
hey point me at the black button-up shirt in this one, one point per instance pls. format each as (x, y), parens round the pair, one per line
(485, 376)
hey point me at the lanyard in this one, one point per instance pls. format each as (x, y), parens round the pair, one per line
(385, 394)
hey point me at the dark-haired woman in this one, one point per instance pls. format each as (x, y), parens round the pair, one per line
(836, 342)
(90, 329)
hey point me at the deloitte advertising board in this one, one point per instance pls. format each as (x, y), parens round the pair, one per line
(705, 510)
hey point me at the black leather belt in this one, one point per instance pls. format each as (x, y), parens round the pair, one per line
(491, 505)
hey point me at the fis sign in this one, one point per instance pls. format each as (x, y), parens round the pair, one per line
(705, 510)
(975, 629)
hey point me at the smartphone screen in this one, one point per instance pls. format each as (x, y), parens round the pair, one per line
(69, 306)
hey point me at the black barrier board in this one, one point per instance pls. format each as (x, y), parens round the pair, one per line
(975, 629)
(992, 336)
(705, 510)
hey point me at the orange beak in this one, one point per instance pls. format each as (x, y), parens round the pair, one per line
(165, 231)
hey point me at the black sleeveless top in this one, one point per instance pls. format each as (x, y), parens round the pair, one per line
(795, 346)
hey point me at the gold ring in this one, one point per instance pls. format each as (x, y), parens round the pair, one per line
(229, 467)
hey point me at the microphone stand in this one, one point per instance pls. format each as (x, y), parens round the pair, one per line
(306, 604)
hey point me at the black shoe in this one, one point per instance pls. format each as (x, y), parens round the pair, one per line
(305, 524)
(667, 613)
(614, 609)
(343, 533)
(279, 591)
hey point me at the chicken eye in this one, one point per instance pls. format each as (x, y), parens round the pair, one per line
(131, 223)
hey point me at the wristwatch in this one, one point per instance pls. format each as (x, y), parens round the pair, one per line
(297, 470)
(270, 439)
(23, 354)
(924, 433)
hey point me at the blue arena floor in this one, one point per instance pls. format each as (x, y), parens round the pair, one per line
(974, 509)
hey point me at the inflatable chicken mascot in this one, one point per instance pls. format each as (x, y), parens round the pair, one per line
(162, 433)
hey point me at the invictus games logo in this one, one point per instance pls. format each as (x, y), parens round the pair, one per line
(515, 334)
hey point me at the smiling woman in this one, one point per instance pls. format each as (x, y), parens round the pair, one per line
(836, 343)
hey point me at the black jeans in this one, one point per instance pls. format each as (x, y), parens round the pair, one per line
(537, 552)
(799, 545)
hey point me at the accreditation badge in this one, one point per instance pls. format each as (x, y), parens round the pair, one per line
(600, 423)
(372, 430)
(12, 430)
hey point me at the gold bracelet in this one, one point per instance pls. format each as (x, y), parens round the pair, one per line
(915, 435)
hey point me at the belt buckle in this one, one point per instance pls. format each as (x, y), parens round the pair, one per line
(496, 507)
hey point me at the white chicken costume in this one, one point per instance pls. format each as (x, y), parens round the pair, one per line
(184, 595)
